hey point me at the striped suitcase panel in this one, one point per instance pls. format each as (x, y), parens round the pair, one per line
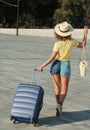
(27, 103)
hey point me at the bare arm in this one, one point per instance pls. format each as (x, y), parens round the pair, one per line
(48, 61)
(84, 42)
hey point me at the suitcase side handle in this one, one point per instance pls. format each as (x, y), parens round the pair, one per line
(39, 78)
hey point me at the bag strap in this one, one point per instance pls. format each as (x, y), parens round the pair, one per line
(83, 53)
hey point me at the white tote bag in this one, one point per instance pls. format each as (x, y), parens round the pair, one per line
(83, 64)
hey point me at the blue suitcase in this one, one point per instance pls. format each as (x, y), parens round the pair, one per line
(28, 102)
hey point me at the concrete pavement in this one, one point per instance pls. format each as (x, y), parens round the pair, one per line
(19, 55)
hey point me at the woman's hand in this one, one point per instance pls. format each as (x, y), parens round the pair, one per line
(40, 68)
(85, 30)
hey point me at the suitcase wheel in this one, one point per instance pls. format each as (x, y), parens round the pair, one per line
(11, 118)
(14, 122)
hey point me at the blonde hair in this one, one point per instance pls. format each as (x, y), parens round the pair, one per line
(61, 38)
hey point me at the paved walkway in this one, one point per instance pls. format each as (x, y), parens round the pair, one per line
(18, 57)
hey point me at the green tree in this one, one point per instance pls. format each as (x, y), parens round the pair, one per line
(71, 11)
(8, 13)
(41, 10)
(86, 6)
(45, 13)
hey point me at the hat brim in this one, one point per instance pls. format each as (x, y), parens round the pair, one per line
(63, 34)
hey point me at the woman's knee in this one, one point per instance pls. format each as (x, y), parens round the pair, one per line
(64, 82)
(57, 91)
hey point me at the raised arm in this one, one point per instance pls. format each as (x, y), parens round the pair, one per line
(84, 41)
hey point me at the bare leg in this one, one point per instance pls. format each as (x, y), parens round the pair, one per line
(64, 88)
(61, 88)
(57, 86)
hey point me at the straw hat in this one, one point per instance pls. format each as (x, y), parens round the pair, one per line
(63, 29)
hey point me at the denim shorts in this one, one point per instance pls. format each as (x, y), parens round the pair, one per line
(61, 68)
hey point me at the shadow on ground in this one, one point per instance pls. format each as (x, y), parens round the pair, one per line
(67, 117)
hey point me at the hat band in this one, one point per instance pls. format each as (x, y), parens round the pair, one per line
(63, 31)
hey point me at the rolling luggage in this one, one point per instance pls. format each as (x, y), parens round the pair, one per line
(28, 102)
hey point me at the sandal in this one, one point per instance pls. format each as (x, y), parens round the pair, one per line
(59, 109)
(57, 112)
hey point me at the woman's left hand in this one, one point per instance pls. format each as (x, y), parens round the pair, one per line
(40, 68)
(85, 30)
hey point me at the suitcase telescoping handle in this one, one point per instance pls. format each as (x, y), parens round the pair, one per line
(39, 78)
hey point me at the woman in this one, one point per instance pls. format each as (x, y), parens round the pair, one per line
(60, 68)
